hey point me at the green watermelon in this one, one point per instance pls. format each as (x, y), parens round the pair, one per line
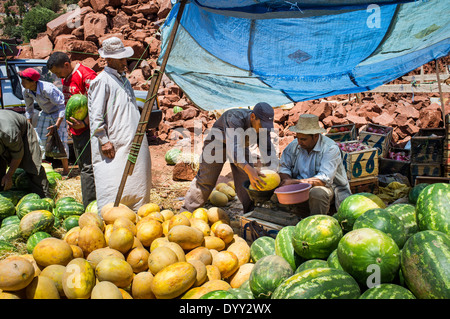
(92, 207)
(13, 195)
(36, 221)
(414, 193)
(354, 206)
(34, 239)
(23, 182)
(316, 236)
(312, 263)
(6, 247)
(318, 283)
(77, 107)
(369, 254)
(261, 247)
(172, 156)
(407, 214)
(381, 219)
(71, 222)
(333, 260)
(218, 294)
(243, 292)
(32, 205)
(10, 220)
(268, 272)
(433, 208)
(65, 210)
(284, 247)
(387, 291)
(25, 199)
(10, 232)
(65, 200)
(425, 262)
(7, 208)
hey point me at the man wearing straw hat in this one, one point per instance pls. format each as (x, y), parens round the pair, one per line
(114, 117)
(315, 159)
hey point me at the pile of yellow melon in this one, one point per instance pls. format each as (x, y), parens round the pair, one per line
(148, 255)
(222, 194)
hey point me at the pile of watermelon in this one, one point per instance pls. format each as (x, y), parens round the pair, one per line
(366, 251)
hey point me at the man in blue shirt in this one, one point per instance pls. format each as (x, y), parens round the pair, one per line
(315, 159)
(51, 117)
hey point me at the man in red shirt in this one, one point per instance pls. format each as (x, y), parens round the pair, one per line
(76, 79)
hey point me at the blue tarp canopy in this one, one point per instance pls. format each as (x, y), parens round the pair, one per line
(236, 53)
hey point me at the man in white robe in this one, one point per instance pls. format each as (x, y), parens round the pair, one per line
(114, 117)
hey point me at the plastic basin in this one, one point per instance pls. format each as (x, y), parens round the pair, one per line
(293, 194)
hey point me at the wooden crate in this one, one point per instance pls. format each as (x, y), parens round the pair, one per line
(431, 180)
(360, 164)
(427, 146)
(245, 233)
(343, 136)
(379, 141)
(391, 166)
(364, 185)
(422, 169)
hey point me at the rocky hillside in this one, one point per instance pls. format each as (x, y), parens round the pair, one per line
(136, 22)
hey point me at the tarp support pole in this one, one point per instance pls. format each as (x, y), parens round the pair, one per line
(440, 92)
(148, 105)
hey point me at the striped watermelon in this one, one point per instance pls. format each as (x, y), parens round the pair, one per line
(10, 220)
(92, 207)
(354, 206)
(333, 260)
(36, 221)
(6, 247)
(32, 205)
(69, 209)
(65, 200)
(34, 239)
(284, 247)
(381, 219)
(218, 294)
(243, 292)
(171, 156)
(433, 208)
(261, 247)
(7, 208)
(71, 222)
(13, 195)
(26, 198)
(407, 214)
(312, 263)
(425, 262)
(268, 272)
(10, 232)
(364, 252)
(77, 107)
(316, 236)
(414, 193)
(318, 283)
(387, 291)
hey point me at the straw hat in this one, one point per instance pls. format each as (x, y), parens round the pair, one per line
(307, 124)
(113, 48)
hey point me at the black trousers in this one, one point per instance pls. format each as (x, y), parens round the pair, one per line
(82, 150)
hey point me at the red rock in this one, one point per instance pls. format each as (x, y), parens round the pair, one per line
(80, 50)
(164, 8)
(95, 26)
(100, 5)
(183, 172)
(333, 120)
(138, 47)
(357, 120)
(429, 118)
(61, 42)
(42, 47)
(340, 111)
(409, 128)
(379, 100)
(280, 115)
(148, 8)
(120, 20)
(322, 110)
(66, 23)
(188, 114)
(284, 141)
(136, 77)
(401, 119)
(384, 119)
(26, 52)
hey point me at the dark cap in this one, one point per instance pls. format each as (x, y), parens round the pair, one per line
(264, 112)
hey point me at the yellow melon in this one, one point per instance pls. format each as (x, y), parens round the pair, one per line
(229, 191)
(106, 290)
(241, 275)
(91, 238)
(148, 208)
(173, 280)
(148, 231)
(115, 270)
(187, 214)
(161, 241)
(55, 273)
(71, 237)
(179, 219)
(141, 286)
(186, 236)
(78, 279)
(98, 255)
(227, 262)
(216, 213)
(52, 251)
(112, 213)
(195, 293)
(218, 198)
(271, 178)
(200, 253)
(15, 273)
(125, 294)
(160, 258)
(242, 251)
(216, 284)
(220, 185)
(212, 242)
(177, 250)
(200, 213)
(125, 222)
(224, 232)
(121, 239)
(77, 251)
(167, 214)
(200, 267)
(89, 218)
(212, 273)
(201, 225)
(42, 288)
(138, 259)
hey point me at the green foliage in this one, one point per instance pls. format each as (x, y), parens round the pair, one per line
(35, 21)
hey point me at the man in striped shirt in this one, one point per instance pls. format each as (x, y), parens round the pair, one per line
(76, 79)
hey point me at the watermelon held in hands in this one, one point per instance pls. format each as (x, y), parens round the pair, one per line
(369, 255)
(354, 206)
(433, 208)
(388, 223)
(77, 107)
(425, 264)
